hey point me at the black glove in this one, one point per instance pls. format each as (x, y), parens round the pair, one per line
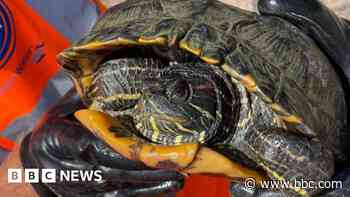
(60, 142)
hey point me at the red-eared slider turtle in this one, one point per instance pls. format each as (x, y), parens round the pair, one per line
(194, 74)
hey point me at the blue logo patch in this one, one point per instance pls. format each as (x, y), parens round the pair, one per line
(7, 34)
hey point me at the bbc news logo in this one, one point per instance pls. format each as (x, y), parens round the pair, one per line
(52, 175)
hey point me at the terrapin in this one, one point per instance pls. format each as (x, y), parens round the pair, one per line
(202, 79)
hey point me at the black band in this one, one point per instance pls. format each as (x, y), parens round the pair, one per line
(39, 188)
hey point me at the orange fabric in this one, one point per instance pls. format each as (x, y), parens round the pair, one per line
(205, 186)
(33, 63)
(6, 144)
(100, 5)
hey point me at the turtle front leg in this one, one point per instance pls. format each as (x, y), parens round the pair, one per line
(288, 158)
(186, 158)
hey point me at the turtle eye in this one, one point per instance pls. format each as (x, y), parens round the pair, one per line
(179, 91)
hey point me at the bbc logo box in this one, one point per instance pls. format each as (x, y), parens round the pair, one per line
(31, 175)
(14, 175)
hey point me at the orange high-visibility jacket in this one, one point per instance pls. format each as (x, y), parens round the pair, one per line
(32, 33)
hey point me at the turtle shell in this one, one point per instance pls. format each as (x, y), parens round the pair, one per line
(268, 56)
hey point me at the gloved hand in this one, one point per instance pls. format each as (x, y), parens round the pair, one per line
(60, 142)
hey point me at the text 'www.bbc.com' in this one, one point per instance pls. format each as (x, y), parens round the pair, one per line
(251, 183)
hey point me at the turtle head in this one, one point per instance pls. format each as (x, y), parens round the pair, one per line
(186, 106)
(169, 102)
